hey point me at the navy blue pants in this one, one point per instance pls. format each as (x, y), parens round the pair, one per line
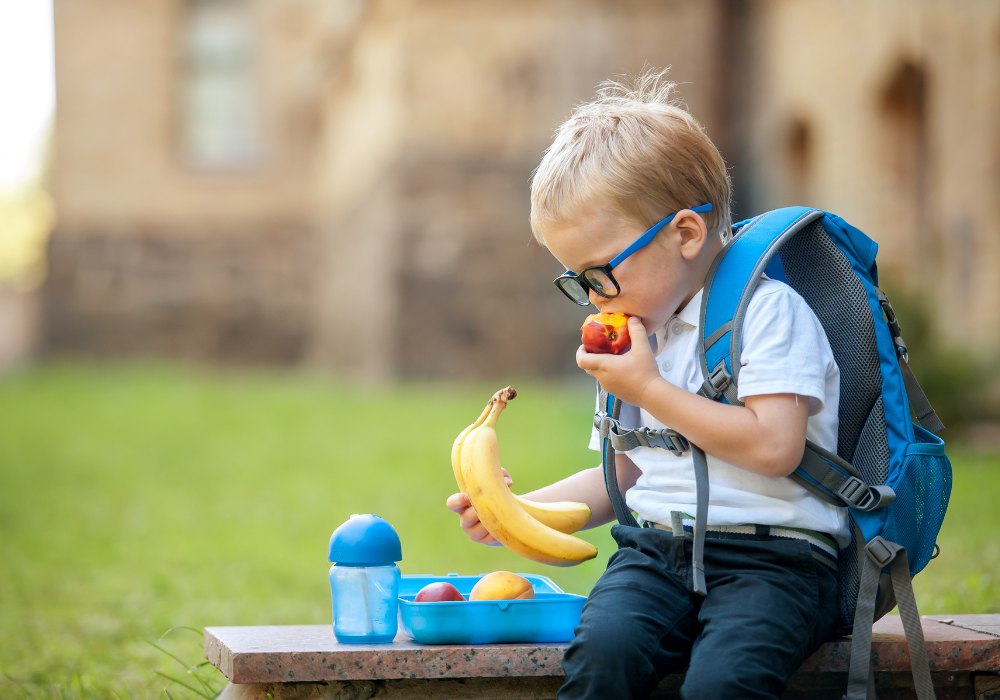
(769, 606)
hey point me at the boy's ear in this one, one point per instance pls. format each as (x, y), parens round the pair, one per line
(693, 233)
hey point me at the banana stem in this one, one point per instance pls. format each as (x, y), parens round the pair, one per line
(505, 395)
(499, 402)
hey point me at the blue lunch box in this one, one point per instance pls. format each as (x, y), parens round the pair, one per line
(550, 617)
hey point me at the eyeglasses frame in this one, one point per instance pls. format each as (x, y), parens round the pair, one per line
(637, 245)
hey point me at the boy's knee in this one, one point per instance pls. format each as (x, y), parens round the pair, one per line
(608, 651)
(604, 642)
(604, 661)
(730, 681)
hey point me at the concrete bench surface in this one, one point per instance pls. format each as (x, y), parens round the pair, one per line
(306, 661)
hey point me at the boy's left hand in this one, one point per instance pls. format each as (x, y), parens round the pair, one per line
(625, 376)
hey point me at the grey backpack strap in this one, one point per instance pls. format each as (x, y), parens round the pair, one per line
(605, 415)
(921, 406)
(864, 618)
(700, 520)
(873, 557)
(624, 439)
(828, 481)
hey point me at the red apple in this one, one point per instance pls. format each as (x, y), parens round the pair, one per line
(438, 592)
(606, 333)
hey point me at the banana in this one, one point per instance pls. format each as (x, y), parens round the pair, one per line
(498, 509)
(456, 448)
(564, 516)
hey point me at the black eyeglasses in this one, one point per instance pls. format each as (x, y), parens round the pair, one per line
(576, 286)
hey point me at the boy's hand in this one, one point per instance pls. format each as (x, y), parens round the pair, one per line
(469, 518)
(625, 376)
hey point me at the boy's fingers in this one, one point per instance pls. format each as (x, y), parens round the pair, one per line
(458, 502)
(490, 541)
(637, 330)
(480, 534)
(469, 518)
(588, 360)
(506, 477)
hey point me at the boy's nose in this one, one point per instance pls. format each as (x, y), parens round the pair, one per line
(596, 299)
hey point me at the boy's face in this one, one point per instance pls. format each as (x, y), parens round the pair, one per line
(656, 281)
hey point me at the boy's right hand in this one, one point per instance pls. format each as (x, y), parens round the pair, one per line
(469, 518)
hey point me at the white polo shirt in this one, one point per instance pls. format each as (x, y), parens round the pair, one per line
(784, 351)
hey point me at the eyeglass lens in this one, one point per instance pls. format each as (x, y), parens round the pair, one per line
(574, 290)
(600, 282)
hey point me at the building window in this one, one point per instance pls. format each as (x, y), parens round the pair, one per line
(220, 111)
(903, 105)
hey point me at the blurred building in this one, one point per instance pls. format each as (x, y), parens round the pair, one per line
(345, 183)
(887, 112)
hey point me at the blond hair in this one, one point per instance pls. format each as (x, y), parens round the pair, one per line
(633, 149)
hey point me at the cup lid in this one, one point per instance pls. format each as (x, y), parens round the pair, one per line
(365, 539)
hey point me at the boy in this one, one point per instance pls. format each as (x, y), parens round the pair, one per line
(618, 166)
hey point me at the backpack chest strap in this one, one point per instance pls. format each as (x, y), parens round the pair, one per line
(624, 439)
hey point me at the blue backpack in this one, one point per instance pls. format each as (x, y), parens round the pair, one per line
(890, 473)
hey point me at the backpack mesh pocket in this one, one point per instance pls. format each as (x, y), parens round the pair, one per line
(922, 492)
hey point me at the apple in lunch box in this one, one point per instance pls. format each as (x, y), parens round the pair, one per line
(606, 333)
(438, 592)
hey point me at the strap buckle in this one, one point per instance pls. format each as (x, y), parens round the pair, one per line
(679, 443)
(880, 552)
(856, 493)
(669, 439)
(893, 323)
(717, 382)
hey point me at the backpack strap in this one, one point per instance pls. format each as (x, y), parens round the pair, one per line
(922, 408)
(614, 436)
(610, 407)
(625, 439)
(700, 519)
(875, 556)
(835, 480)
(729, 286)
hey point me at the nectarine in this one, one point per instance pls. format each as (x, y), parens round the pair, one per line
(606, 333)
(502, 585)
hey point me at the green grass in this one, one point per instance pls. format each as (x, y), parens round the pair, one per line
(137, 499)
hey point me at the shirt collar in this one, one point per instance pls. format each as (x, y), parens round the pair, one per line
(690, 315)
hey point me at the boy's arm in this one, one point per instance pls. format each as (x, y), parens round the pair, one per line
(586, 486)
(767, 436)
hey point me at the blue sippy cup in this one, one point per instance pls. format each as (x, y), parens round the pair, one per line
(364, 580)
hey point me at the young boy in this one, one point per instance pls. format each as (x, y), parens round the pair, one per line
(617, 167)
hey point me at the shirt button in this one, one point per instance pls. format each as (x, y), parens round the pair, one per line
(676, 328)
(667, 365)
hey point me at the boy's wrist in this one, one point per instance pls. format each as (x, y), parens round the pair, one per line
(649, 392)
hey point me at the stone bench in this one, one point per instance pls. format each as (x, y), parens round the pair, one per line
(307, 663)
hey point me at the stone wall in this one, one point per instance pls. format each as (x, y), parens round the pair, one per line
(239, 296)
(431, 136)
(475, 291)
